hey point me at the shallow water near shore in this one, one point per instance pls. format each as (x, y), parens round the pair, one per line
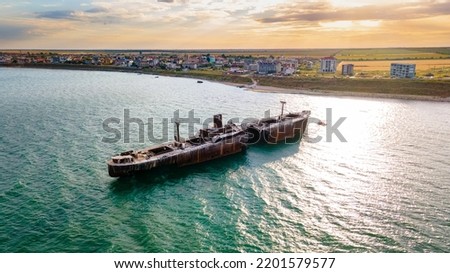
(386, 189)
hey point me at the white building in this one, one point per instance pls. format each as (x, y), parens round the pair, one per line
(347, 69)
(403, 70)
(288, 71)
(189, 65)
(154, 62)
(269, 67)
(290, 63)
(253, 67)
(172, 66)
(328, 65)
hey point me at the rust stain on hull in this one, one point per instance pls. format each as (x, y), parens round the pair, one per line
(276, 129)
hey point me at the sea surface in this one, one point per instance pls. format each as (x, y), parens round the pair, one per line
(384, 188)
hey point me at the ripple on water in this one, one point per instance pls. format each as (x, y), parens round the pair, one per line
(383, 190)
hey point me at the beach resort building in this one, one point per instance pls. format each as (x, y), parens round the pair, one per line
(253, 67)
(347, 69)
(328, 65)
(189, 65)
(265, 67)
(399, 70)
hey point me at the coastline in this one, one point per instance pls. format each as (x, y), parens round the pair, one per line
(331, 93)
(249, 87)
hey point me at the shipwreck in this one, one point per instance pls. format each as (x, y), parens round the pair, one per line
(211, 143)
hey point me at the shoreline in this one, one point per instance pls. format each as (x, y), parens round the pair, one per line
(248, 87)
(331, 93)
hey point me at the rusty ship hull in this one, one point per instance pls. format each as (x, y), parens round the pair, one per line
(179, 158)
(210, 144)
(273, 130)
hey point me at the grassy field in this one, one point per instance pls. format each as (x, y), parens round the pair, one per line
(355, 54)
(384, 86)
(261, 53)
(310, 53)
(440, 68)
(329, 82)
(439, 88)
(392, 54)
(313, 53)
(369, 62)
(424, 87)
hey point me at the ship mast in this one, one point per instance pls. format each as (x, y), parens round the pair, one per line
(177, 123)
(282, 107)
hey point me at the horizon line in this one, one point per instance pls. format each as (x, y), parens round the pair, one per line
(215, 49)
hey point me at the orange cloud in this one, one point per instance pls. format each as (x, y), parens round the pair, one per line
(227, 24)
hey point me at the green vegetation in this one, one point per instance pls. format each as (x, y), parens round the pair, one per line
(341, 54)
(385, 86)
(206, 74)
(310, 53)
(369, 54)
(327, 82)
(437, 68)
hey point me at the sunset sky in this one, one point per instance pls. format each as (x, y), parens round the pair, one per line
(190, 24)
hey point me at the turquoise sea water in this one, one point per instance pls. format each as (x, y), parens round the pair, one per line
(387, 189)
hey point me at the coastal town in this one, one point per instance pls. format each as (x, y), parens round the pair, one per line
(140, 60)
(401, 73)
(221, 63)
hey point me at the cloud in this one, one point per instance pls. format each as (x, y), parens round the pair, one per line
(69, 14)
(323, 11)
(51, 5)
(193, 12)
(5, 6)
(94, 15)
(141, 14)
(56, 14)
(97, 10)
(228, 23)
(13, 32)
(173, 1)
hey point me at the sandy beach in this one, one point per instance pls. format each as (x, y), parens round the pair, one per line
(271, 89)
